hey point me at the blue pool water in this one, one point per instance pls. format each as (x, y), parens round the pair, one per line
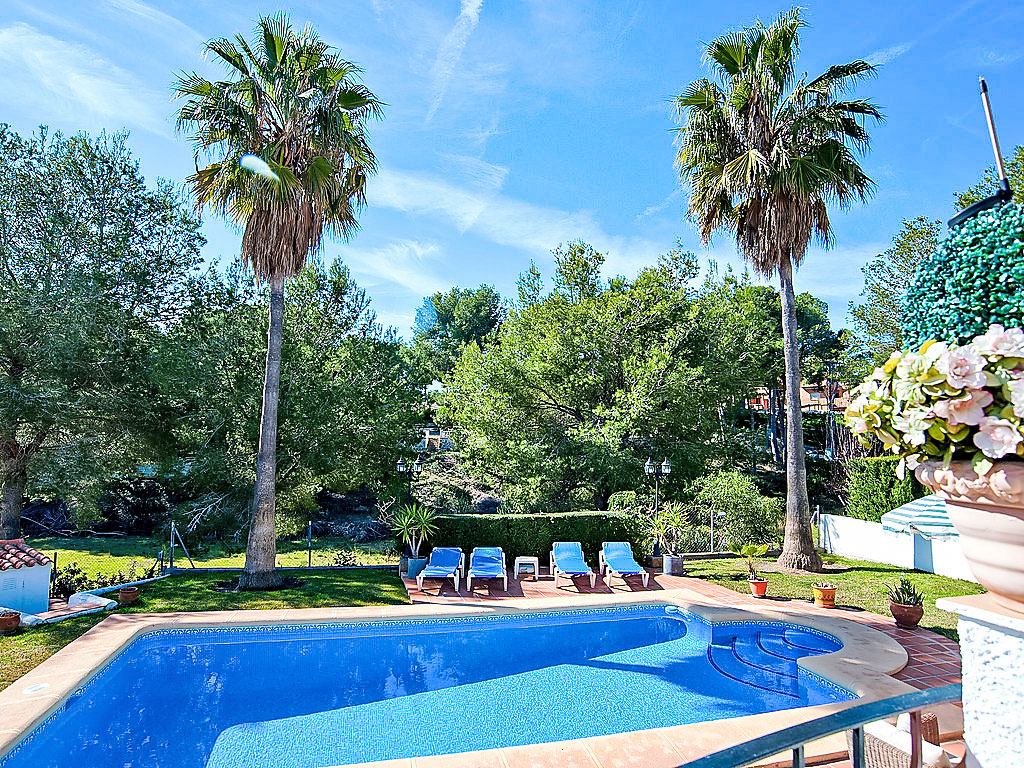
(333, 694)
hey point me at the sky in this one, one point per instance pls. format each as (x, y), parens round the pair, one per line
(515, 125)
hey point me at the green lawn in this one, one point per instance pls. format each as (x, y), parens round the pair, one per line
(111, 554)
(31, 646)
(859, 583)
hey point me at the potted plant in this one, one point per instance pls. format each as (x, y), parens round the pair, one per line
(669, 526)
(9, 622)
(127, 595)
(955, 413)
(825, 594)
(905, 603)
(414, 524)
(758, 584)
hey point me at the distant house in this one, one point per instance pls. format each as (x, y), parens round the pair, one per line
(813, 397)
(24, 577)
(434, 439)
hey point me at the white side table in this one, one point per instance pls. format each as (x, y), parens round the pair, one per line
(526, 562)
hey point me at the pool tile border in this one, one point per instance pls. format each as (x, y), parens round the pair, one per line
(864, 665)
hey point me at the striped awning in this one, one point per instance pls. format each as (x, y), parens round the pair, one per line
(925, 516)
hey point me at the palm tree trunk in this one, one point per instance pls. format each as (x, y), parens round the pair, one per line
(261, 550)
(798, 547)
(14, 481)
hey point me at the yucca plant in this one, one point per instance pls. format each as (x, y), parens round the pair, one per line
(414, 524)
(293, 102)
(765, 153)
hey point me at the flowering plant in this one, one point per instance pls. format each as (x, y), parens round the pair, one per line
(946, 402)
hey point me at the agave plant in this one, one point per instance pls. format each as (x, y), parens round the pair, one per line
(903, 592)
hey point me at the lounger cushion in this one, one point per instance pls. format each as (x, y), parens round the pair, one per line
(619, 557)
(443, 562)
(486, 562)
(569, 557)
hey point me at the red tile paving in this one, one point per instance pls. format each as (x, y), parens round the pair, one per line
(934, 659)
(59, 610)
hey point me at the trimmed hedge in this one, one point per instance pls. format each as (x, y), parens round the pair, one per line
(533, 534)
(874, 489)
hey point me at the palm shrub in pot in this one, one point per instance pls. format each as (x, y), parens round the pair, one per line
(758, 584)
(414, 524)
(905, 603)
(952, 408)
(669, 525)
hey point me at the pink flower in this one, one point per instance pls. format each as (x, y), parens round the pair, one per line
(999, 341)
(997, 437)
(969, 409)
(1017, 396)
(963, 367)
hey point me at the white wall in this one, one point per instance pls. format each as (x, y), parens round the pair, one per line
(864, 540)
(25, 589)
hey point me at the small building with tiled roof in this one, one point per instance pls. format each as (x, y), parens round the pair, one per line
(24, 577)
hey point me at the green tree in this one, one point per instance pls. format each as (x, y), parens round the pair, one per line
(765, 153)
(293, 101)
(93, 264)
(448, 321)
(989, 183)
(876, 319)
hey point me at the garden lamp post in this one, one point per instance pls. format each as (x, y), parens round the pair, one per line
(656, 471)
(411, 472)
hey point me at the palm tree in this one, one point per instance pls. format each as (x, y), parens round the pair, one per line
(291, 100)
(765, 154)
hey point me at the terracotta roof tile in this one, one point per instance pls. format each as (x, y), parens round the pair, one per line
(15, 553)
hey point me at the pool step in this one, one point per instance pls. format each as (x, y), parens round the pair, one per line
(727, 659)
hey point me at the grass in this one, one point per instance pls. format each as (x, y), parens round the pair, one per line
(32, 646)
(859, 583)
(112, 554)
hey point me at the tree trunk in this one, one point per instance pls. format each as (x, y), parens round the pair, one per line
(15, 477)
(261, 550)
(798, 547)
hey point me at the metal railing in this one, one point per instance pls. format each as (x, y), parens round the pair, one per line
(854, 719)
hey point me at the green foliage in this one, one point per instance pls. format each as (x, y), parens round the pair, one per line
(448, 321)
(872, 488)
(95, 265)
(974, 279)
(414, 524)
(989, 183)
(534, 534)
(903, 592)
(69, 579)
(136, 506)
(669, 526)
(876, 320)
(749, 552)
(741, 512)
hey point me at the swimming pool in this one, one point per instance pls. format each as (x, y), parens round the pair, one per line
(334, 694)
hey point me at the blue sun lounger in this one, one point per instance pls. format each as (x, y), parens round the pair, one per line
(567, 560)
(616, 559)
(444, 563)
(487, 563)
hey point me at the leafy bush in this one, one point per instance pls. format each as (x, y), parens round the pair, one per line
(622, 501)
(742, 513)
(137, 506)
(873, 488)
(71, 578)
(533, 534)
(975, 279)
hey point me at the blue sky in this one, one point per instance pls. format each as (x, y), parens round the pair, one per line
(513, 126)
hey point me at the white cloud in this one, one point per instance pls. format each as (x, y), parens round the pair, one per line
(64, 80)
(479, 173)
(885, 55)
(650, 210)
(402, 262)
(508, 221)
(167, 27)
(451, 51)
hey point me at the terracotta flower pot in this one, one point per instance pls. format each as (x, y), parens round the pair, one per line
(907, 616)
(988, 513)
(9, 622)
(127, 595)
(825, 597)
(758, 587)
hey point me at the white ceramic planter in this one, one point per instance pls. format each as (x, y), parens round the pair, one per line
(988, 513)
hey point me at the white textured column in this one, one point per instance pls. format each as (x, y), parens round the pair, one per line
(992, 653)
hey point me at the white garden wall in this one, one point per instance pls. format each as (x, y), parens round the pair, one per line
(864, 540)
